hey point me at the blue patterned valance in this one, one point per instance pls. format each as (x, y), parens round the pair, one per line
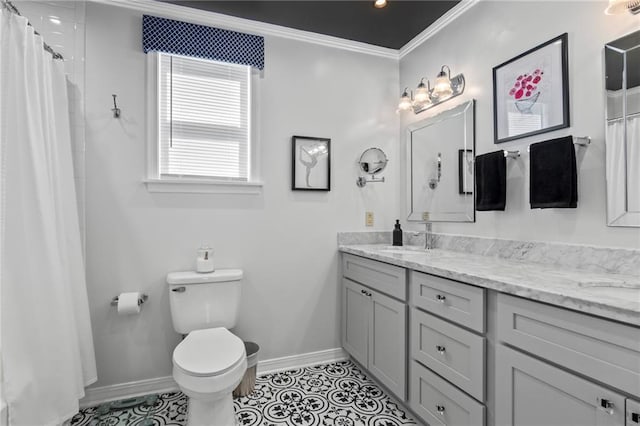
(182, 38)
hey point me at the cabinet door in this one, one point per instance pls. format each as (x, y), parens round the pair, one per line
(532, 393)
(388, 342)
(633, 412)
(355, 320)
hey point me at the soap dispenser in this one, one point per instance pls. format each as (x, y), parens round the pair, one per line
(204, 261)
(397, 234)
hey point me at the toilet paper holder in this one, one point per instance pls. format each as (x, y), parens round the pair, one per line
(114, 301)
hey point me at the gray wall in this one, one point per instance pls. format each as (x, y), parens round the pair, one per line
(285, 241)
(492, 32)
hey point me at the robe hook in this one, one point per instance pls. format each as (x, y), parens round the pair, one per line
(115, 109)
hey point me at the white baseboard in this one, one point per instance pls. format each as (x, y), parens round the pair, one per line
(100, 395)
(303, 360)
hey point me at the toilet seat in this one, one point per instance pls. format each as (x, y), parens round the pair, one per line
(209, 352)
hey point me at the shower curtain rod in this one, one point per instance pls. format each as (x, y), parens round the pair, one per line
(13, 9)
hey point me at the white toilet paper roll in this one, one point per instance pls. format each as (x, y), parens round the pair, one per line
(128, 303)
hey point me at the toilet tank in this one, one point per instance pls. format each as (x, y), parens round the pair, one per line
(208, 300)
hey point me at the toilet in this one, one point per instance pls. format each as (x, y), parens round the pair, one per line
(210, 361)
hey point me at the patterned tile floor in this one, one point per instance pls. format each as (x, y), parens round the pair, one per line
(337, 394)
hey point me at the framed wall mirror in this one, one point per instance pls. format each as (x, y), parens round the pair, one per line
(622, 87)
(440, 159)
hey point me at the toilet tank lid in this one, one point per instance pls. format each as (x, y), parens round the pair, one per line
(192, 277)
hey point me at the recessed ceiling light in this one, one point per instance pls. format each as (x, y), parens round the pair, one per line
(380, 3)
(620, 6)
(54, 20)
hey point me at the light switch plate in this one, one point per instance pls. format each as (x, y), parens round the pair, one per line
(368, 218)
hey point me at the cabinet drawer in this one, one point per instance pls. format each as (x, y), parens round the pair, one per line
(633, 413)
(604, 350)
(439, 403)
(456, 354)
(380, 276)
(455, 301)
(532, 392)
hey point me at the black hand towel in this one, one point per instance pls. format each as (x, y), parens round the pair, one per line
(553, 178)
(491, 181)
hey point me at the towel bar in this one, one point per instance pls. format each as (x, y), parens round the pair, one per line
(584, 141)
(511, 154)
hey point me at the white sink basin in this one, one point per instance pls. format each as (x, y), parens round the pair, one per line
(616, 290)
(404, 250)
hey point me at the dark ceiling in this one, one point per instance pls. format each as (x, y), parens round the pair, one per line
(392, 26)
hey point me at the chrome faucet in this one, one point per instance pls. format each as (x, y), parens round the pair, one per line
(429, 239)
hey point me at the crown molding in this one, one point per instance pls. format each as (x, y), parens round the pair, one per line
(196, 16)
(439, 24)
(202, 17)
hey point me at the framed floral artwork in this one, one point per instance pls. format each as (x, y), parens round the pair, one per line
(531, 92)
(310, 163)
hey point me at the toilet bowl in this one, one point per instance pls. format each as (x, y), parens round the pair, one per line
(207, 365)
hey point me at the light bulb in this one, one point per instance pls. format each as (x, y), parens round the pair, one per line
(422, 94)
(405, 101)
(442, 87)
(380, 3)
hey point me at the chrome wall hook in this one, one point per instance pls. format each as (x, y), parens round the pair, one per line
(115, 109)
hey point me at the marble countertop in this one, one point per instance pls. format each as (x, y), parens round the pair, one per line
(613, 296)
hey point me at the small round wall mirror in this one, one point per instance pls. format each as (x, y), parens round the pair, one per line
(372, 161)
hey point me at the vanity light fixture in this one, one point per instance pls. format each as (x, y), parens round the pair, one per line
(379, 4)
(446, 87)
(616, 7)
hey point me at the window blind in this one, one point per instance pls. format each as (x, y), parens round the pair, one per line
(204, 118)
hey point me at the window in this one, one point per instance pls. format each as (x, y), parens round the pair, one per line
(203, 129)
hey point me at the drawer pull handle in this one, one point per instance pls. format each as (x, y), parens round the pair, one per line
(440, 409)
(365, 292)
(606, 405)
(440, 298)
(441, 349)
(179, 289)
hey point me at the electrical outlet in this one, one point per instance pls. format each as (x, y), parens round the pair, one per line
(368, 218)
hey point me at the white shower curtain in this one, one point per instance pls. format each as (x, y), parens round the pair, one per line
(47, 355)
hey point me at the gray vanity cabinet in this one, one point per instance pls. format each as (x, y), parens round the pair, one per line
(374, 324)
(532, 392)
(448, 351)
(571, 354)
